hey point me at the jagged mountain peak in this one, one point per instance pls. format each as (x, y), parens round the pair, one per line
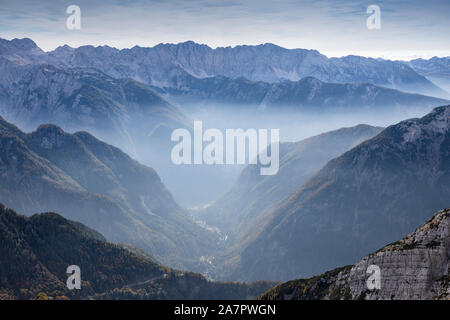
(24, 44)
(265, 62)
(21, 44)
(21, 51)
(65, 49)
(49, 136)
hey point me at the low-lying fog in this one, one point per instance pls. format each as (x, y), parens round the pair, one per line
(198, 185)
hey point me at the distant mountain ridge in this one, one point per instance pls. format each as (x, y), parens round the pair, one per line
(267, 62)
(159, 65)
(435, 69)
(307, 94)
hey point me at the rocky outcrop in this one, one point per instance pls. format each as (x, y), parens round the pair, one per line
(416, 267)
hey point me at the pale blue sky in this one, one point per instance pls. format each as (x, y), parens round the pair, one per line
(409, 28)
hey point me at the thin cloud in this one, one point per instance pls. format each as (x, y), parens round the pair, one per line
(334, 27)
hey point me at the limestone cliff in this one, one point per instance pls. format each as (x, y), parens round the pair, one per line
(416, 267)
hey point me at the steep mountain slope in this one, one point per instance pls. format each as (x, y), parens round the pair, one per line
(37, 250)
(157, 66)
(416, 267)
(251, 196)
(97, 184)
(306, 94)
(371, 195)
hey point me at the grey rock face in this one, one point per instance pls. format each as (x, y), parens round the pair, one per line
(414, 268)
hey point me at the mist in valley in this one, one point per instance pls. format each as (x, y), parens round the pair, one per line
(196, 186)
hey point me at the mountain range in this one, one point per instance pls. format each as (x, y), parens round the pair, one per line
(158, 65)
(126, 97)
(307, 94)
(436, 69)
(413, 268)
(175, 66)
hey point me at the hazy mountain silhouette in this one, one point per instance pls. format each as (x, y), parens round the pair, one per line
(90, 181)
